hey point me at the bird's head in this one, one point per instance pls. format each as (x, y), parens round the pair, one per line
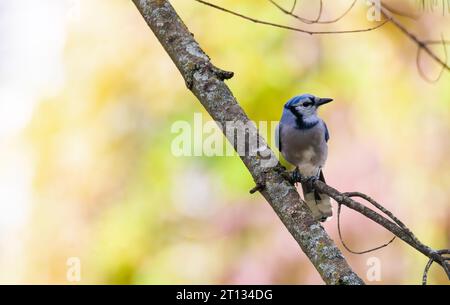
(305, 105)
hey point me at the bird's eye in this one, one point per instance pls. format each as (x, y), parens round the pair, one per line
(307, 104)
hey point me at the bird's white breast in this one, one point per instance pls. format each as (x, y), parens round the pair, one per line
(306, 149)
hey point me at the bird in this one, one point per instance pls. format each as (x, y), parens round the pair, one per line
(301, 137)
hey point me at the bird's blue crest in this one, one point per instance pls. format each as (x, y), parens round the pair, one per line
(295, 99)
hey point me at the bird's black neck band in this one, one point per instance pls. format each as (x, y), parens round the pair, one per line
(300, 122)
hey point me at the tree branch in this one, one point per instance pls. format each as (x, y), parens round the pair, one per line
(395, 226)
(207, 84)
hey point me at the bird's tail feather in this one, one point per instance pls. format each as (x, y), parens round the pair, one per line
(318, 203)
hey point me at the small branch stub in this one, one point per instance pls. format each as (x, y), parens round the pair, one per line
(258, 187)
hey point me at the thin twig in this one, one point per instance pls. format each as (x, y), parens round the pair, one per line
(419, 67)
(318, 21)
(293, 6)
(431, 42)
(258, 187)
(345, 245)
(286, 27)
(377, 205)
(320, 11)
(430, 262)
(291, 12)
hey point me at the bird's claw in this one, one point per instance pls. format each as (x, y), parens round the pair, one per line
(323, 218)
(312, 179)
(296, 177)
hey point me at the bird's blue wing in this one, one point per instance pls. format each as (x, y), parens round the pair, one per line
(278, 137)
(327, 135)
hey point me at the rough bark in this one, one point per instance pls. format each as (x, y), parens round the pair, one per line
(207, 83)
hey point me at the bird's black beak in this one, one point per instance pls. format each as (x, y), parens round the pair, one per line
(323, 101)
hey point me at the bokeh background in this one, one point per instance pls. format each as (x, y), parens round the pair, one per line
(87, 101)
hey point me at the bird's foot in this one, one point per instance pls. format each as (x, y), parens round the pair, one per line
(310, 181)
(296, 176)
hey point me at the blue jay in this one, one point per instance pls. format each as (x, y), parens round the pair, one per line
(301, 137)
